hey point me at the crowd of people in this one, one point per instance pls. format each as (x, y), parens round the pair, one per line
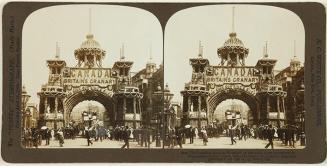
(171, 138)
(33, 137)
(287, 134)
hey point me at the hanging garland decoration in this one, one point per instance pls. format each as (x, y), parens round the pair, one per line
(267, 62)
(80, 53)
(199, 61)
(54, 63)
(195, 92)
(123, 64)
(52, 91)
(225, 50)
(128, 94)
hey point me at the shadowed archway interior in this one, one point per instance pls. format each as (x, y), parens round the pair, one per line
(216, 98)
(87, 95)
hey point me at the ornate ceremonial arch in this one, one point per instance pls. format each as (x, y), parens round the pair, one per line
(232, 79)
(88, 80)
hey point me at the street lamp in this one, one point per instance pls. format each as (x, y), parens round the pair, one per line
(25, 98)
(300, 93)
(158, 95)
(90, 119)
(167, 98)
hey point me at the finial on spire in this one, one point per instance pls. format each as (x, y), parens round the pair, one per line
(233, 19)
(122, 56)
(57, 51)
(90, 20)
(23, 89)
(166, 87)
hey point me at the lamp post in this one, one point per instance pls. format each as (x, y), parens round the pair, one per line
(158, 95)
(167, 98)
(25, 98)
(301, 111)
(90, 119)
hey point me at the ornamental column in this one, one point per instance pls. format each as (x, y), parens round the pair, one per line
(278, 112)
(134, 111)
(199, 111)
(124, 110)
(45, 103)
(189, 103)
(56, 112)
(268, 106)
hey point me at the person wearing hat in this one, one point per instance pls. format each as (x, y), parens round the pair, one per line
(88, 137)
(125, 136)
(232, 133)
(270, 135)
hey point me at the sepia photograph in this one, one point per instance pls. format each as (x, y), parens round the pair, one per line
(149, 82)
(90, 77)
(90, 80)
(239, 82)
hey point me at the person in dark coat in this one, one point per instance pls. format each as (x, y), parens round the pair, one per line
(35, 137)
(88, 138)
(179, 137)
(47, 137)
(243, 133)
(125, 136)
(270, 135)
(289, 136)
(192, 133)
(232, 134)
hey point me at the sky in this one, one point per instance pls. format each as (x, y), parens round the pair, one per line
(139, 30)
(68, 25)
(254, 25)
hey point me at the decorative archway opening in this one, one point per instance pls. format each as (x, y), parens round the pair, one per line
(250, 100)
(88, 112)
(233, 111)
(95, 96)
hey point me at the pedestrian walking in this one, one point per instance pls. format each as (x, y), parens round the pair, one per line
(35, 137)
(204, 136)
(52, 135)
(179, 137)
(196, 132)
(61, 137)
(232, 134)
(270, 132)
(289, 136)
(191, 134)
(47, 137)
(88, 138)
(125, 136)
(243, 133)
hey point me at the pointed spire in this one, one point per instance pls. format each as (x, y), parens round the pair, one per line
(122, 56)
(265, 50)
(90, 20)
(233, 20)
(233, 33)
(57, 51)
(200, 49)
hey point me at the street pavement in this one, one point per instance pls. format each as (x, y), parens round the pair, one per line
(213, 143)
